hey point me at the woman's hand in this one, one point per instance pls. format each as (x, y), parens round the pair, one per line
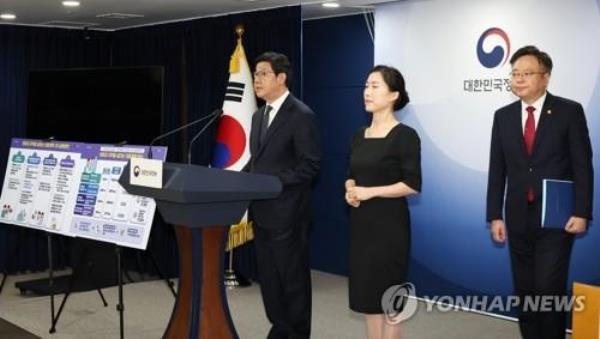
(350, 198)
(360, 193)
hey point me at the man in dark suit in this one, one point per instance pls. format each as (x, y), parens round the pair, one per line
(541, 136)
(283, 143)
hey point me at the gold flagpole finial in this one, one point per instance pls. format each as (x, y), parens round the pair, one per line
(234, 63)
(239, 30)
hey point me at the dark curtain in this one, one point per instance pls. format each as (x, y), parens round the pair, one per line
(23, 49)
(195, 56)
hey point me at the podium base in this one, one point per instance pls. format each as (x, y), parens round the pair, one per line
(232, 280)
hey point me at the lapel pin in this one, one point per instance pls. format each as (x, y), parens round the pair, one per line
(549, 111)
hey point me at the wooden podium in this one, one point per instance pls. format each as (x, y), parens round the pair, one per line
(202, 202)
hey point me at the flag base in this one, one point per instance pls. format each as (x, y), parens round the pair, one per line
(233, 280)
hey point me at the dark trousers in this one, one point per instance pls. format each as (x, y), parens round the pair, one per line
(540, 266)
(284, 274)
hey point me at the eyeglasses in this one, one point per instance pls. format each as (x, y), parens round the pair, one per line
(262, 74)
(525, 75)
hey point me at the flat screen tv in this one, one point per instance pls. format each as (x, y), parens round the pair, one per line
(103, 105)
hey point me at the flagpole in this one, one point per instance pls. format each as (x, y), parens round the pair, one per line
(231, 278)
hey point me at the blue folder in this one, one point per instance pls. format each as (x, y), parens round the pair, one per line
(558, 203)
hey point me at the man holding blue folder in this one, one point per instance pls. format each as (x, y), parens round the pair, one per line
(539, 137)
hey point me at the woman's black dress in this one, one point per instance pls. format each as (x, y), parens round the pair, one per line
(380, 227)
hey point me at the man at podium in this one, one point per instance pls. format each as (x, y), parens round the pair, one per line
(283, 143)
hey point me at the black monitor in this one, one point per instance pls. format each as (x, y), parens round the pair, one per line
(103, 105)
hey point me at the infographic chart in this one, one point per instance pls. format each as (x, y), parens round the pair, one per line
(72, 188)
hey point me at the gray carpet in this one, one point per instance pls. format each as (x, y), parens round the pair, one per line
(149, 304)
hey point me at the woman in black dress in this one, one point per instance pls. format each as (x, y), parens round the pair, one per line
(385, 167)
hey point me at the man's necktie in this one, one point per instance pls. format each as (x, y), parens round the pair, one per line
(529, 136)
(264, 123)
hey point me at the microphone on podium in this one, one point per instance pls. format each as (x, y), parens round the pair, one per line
(217, 113)
(213, 114)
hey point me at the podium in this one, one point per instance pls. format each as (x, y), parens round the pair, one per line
(201, 203)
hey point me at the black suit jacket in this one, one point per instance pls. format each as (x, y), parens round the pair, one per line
(290, 151)
(562, 150)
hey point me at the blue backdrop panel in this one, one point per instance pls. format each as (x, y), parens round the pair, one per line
(337, 54)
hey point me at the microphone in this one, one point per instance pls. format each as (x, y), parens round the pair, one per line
(214, 113)
(217, 114)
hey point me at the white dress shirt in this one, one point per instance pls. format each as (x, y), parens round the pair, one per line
(276, 105)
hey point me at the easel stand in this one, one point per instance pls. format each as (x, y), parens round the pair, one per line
(150, 255)
(163, 277)
(4, 275)
(120, 305)
(74, 277)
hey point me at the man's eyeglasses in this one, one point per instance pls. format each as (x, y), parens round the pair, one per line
(262, 74)
(526, 75)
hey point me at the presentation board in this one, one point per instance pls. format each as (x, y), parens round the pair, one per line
(72, 189)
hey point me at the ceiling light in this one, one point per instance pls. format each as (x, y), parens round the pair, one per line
(70, 3)
(330, 4)
(7, 16)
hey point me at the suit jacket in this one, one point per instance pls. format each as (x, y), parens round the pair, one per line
(290, 151)
(562, 150)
